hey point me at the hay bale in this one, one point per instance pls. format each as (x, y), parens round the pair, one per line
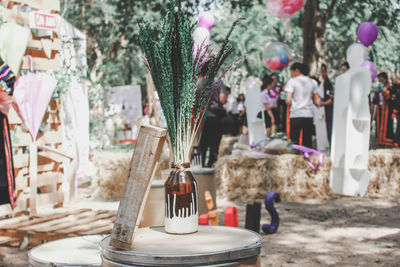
(112, 170)
(242, 178)
(384, 165)
(226, 145)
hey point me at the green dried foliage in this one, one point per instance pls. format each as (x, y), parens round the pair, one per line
(169, 57)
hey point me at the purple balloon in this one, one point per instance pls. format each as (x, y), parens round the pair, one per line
(371, 66)
(367, 33)
(206, 20)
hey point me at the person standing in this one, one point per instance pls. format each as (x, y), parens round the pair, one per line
(7, 175)
(212, 129)
(242, 114)
(344, 67)
(301, 93)
(328, 100)
(270, 99)
(231, 107)
(384, 121)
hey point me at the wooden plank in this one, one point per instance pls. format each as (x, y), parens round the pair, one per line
(21, 161)
(101, 230)
(5, 210)
(33, 178)
(24, 221)
(7, 240)
(21, 182)
(49, 178)
(47, 157)
(147, 153)
(53, 224)
(37, 44)
(56, 151)
(51, 137)
(49, 198)
(41, 4)
(22, 203)
(40, 53)
(42, 63)
(102, 220)
(13, 117)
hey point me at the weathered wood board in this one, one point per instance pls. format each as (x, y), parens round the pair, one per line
(147, 153)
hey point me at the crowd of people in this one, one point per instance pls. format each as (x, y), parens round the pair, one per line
(288, 108)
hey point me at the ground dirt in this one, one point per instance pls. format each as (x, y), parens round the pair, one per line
(338, 232)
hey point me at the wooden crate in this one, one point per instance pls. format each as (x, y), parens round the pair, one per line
(37, 46)
(51, 168)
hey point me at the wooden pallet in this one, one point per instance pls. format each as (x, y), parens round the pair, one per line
(58, 225)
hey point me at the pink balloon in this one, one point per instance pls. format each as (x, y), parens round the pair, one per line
(284, 8)
(206, 20)
(32, 94)
(371, 67)
(296, 4)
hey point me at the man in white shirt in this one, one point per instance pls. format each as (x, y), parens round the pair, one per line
(301, 93)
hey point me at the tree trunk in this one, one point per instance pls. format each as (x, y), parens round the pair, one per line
(313, 31)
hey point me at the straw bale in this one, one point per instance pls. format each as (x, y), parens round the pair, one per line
(243, 178)
(226, 145)
(112, 170)
(384, 165)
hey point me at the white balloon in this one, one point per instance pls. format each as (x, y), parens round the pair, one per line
(201, 35)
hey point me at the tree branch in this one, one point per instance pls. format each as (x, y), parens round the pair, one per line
(328, 12)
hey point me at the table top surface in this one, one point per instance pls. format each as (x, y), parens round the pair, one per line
(219, 243)
(82, 250)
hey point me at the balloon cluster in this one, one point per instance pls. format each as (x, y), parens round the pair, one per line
(367, 33)
(202, 33)
(284, 8)
(276, 56)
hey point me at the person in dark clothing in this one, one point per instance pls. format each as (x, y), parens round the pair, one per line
(327, 100)
(384, 121)
(7, 178)
(396, 109)
(212, 129)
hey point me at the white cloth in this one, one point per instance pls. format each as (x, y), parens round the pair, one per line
(240, 106)
(231, 104)
(303, 89)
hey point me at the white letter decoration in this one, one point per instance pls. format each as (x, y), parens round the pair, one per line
(254, 106)
(351, 127)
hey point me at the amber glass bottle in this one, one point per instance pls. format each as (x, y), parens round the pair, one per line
(181, 200)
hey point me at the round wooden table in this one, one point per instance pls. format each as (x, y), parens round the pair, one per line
(73, 251)
(210, 246)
